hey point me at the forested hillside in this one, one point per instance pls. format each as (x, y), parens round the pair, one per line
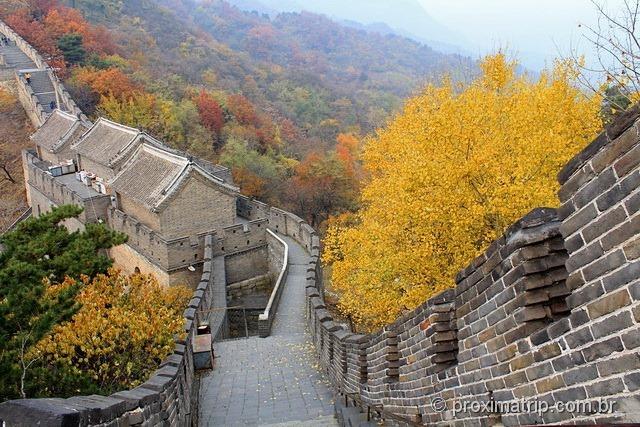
(284, 101)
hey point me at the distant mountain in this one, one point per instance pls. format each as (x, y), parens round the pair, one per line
(400, 17)
(384, 29)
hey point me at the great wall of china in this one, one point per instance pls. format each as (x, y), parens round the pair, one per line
(550, 313)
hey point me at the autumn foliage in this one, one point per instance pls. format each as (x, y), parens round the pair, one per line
(111, 81)
(447, 176)
(211, 114)
(123, 330)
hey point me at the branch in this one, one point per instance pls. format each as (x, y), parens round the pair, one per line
(8, 174)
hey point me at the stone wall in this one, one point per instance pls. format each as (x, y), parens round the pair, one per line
(245, 249)
(548, 315)
(276, 256)
(246, 264)
(251, 209)
(30, 102)
(168, 397)
(49, 189)
(197, 208)
(243, 245)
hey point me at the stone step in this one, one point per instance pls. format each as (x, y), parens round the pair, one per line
(45, 100)
(16, 58)
(40, 82)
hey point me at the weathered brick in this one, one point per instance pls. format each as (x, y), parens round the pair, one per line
(603, 265)
(605, 388)
(622, 233)
(540, 337)
(578, 220)
(547, 352)
(601, 349)
(605, 222)
(628, 162)
(611, 325)
(568, 361)
(515, 379)
(550, 384)
(632, 249)
(580, 375)
(558, 328)
(525, 390)
(573, 184)
(575, 280)
(521, 362)
(627, 362)
(612, 151)
(631, 339)
(632, 381)
(539, 371)
(574, 243)
(594, 188)
(571, 394)
(619, 192)
(585, 294)
(579, 338)
(608, 303)
(633, 203)
(622, 276)
(526, 314)
(586, 255)
(566, 209)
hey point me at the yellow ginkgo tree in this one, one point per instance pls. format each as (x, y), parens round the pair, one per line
(447, 176)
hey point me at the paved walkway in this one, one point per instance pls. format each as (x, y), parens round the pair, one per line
(270, 381)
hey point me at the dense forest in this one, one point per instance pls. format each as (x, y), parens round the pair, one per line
(284, 100)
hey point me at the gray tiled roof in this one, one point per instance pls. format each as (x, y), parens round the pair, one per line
(106, 141)
(53, 129)
(147, 176)
(73, 135)
(219, 171)
(153, 174)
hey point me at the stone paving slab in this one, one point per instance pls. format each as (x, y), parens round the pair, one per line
(271, 381)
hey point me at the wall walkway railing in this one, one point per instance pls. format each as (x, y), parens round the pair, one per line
(265, 320)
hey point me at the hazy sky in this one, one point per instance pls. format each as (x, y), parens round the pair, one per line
(533, 31)
(538, 30)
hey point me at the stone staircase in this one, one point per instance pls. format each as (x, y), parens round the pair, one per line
(15, 58)
(42, 88)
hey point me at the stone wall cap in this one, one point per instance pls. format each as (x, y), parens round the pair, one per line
(621, 123)
(43, 412)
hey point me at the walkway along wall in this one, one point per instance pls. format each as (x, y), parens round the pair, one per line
(551, 311)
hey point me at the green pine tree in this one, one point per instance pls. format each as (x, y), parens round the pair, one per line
(72, 48)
